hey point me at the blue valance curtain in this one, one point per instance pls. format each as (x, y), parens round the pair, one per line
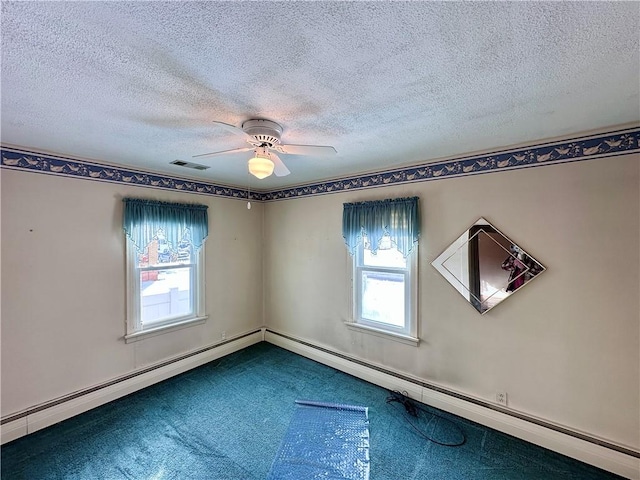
(144, 218)
(398, 218)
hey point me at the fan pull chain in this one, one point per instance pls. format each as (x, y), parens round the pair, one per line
(249, 194)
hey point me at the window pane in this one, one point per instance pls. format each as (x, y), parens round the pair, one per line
(383, 297)
(386, 256)
(165, 294)
(160, 251)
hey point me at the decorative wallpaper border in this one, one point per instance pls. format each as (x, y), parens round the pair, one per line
(53, 165)
(619, 142)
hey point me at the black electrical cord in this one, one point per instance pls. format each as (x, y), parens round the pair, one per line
(413, 411)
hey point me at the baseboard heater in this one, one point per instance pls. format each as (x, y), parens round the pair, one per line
(595, 451)
(53, 411)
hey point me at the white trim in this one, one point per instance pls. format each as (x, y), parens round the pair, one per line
(134, 328)
(67, 409)
(366, 373)
(152, 332)
(12, 430)
(132, 322)
(588, 452)
(398, 337)
(573, 447)
(408, 333)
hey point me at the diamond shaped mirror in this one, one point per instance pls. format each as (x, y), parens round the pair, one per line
(486, 267)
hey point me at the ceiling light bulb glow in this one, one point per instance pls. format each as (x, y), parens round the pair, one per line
(260, 167)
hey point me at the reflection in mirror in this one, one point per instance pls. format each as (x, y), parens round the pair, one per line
(485, 266)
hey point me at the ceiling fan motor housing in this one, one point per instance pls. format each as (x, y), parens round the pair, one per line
(264, 131)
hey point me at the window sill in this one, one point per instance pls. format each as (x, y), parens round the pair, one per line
(397, 337)
(152, 332)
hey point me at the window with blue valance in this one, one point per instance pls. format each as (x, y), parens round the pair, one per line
(165, 266)
(179, 223)
(398, 218)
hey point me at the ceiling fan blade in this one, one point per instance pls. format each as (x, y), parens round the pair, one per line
(233, 150)
(233, 129)
(307, 149)
(280, 169)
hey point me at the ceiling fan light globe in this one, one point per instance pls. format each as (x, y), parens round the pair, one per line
(260, 167)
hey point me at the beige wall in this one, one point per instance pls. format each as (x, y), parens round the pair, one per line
(565, 348)
(63, 284)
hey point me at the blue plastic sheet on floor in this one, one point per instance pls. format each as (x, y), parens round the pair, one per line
(324, 440)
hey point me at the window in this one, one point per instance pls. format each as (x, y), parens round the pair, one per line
(165, 266)
(383, 236)
(385, 287)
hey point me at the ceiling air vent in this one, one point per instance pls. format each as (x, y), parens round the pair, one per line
(195, 166)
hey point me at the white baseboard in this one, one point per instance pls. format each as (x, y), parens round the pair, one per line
(62, 410)
(599, 456)
(13, 430)
(585, 451)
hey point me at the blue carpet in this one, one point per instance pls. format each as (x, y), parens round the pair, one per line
(324, 441)
(226, 419)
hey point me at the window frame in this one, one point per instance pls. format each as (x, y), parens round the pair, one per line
(407, 334)
(134, 329)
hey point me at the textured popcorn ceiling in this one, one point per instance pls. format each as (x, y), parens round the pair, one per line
(386, 83)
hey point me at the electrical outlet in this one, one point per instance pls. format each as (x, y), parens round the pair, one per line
(224, 335)
(501, 398)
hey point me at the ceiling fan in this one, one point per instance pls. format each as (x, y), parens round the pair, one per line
(264, 138)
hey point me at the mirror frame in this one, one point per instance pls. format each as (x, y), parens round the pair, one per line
(471, 290)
